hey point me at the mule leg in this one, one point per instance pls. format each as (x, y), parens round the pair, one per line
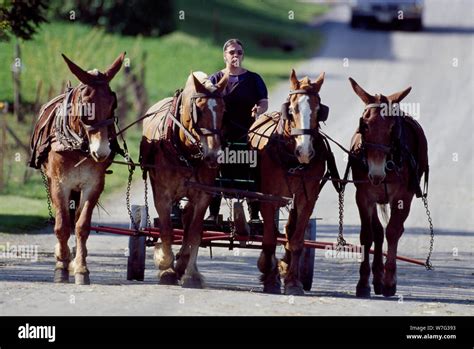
(267, 262)
(293, 284)
(62, 230)
(163, 256)
(284, 263)
(366, 210)
(377, 264)
(192, 278)
(88, 201)
(182, 258)
(399, 213)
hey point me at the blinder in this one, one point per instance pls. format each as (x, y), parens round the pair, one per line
(97, 125)
(323, 112)
(285, 114)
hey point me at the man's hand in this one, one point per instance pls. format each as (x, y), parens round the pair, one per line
(255, 111)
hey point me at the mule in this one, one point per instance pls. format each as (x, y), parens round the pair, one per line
(71, 145)
(182, 140)
(291, 154)
(389, 155)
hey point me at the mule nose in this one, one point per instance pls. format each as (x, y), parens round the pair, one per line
(99, 158)
(376, 180)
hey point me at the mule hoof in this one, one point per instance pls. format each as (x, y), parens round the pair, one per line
(192, 282)
(378, 287)
(61, 276)
(389, 291)
(294, 291)
(82, 279)
(168, 277)
(363, 292)
(272, 288)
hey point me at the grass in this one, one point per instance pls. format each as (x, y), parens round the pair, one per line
(274, 43)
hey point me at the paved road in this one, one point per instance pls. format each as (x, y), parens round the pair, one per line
(381, 62)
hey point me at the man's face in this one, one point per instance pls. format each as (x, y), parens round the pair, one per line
(234, 55)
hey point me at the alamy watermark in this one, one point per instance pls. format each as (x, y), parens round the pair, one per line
(8, 251)
(230, 156)
(83, 110)
(37, 332)
(398, 109)
(353, 252)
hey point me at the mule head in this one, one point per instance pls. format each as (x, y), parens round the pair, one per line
(304, 106)
(203, 112)
(376, 126)
(94, 104)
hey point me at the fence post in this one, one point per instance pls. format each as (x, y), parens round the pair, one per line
(3, 145)
(16, 70)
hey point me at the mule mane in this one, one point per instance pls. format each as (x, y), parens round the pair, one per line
(100, 78)
(305, 84)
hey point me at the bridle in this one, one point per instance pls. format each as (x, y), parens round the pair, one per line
(387, 149)
(199, 131)
(70, 139)
(322, 113)
(196, 113)
(100, 124)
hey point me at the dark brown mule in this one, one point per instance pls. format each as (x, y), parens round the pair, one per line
(183, 153)
(389, 157)
(69, 129)
(290, 148)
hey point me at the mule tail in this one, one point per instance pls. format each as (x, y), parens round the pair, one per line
(383, 209)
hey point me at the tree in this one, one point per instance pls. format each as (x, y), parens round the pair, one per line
(21, 18)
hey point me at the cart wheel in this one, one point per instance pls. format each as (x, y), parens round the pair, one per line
(137, 247)
(307, 260)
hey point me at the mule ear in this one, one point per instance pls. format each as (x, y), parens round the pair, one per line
(366, 97)
(397, 97)
(294, 82)
(198, 86)
(115, 67)
(81, 74)
(319, 82)
(222, 83)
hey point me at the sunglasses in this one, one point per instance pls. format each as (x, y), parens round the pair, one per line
(232, 52)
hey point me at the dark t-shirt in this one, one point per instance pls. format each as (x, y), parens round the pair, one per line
(240, 95)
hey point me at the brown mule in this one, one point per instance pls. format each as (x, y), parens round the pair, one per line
(292, 153)
(71, 144)
(389, 156)
(180, 154)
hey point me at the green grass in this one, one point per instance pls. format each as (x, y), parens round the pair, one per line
(263, 26)
(21, 214)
